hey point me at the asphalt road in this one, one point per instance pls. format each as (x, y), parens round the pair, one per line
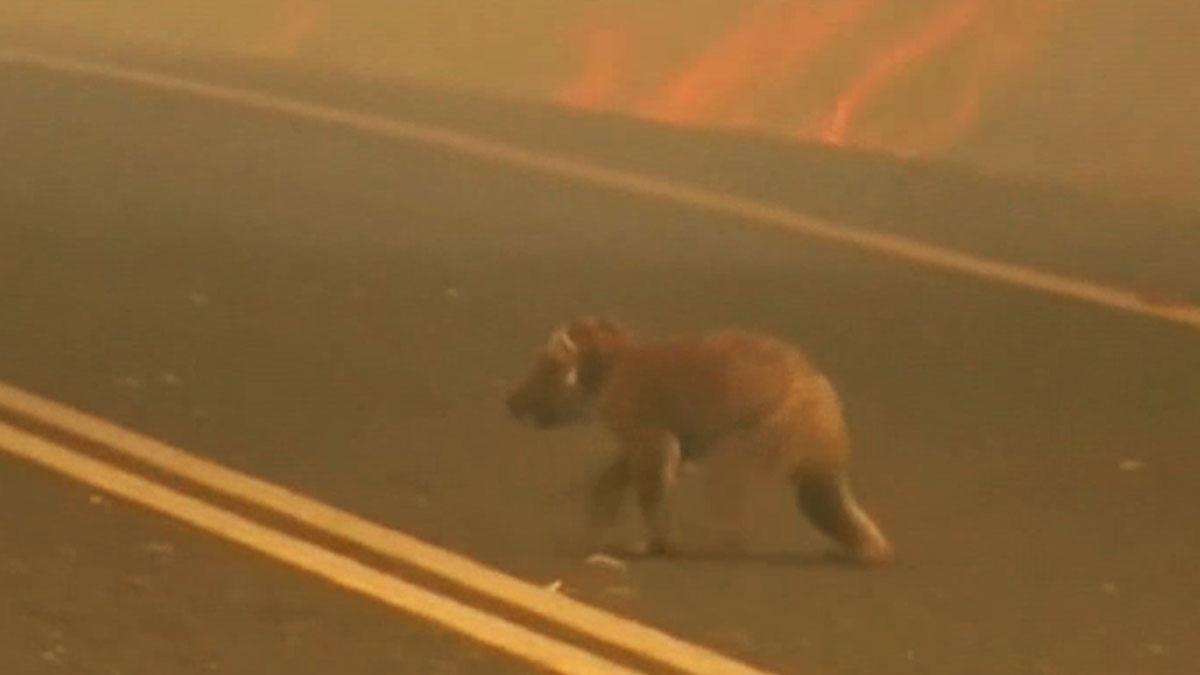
(339, 313)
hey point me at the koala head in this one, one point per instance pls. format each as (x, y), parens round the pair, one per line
(567, 373)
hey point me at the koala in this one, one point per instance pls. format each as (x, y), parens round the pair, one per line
(740, 403)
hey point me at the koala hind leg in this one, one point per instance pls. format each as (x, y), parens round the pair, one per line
(825, 497)
(654, 459)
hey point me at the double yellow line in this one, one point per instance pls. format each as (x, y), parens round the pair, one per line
(642, 644)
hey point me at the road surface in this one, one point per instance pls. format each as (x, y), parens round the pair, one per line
(339, 313)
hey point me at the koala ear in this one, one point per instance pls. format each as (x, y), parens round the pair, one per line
(561, 345)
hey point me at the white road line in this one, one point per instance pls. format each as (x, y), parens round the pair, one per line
(338, 569)
(761, 213)
(623, 633)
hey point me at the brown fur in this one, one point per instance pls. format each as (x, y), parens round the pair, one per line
(747, 403)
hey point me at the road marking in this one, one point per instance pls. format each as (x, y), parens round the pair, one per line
(762, 213)
(343, 571)
(609, 628)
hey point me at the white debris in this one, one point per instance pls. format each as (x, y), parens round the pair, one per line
(607, 562)
(161, 548)
(140, 582)
(554, 586)
(96, 499)
(1130, 464)
(54, 655)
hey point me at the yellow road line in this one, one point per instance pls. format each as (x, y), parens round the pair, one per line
(342, 571)
(761, 213)
(609, 628)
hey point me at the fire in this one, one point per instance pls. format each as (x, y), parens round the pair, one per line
(905, 76)
(792, 67)
(767, 41)
(723, 69)
(887, 67)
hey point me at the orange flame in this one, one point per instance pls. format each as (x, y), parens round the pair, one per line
(766, 41)
(944, 27)
(778, 58)
(722, 69)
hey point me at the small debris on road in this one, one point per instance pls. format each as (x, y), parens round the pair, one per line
(170, 379)
(159, 548)
(128, 382)
(1131, 464)
(554, 586)
(139, 582)
(606, 562)
(1109, 588)
(54, 655)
